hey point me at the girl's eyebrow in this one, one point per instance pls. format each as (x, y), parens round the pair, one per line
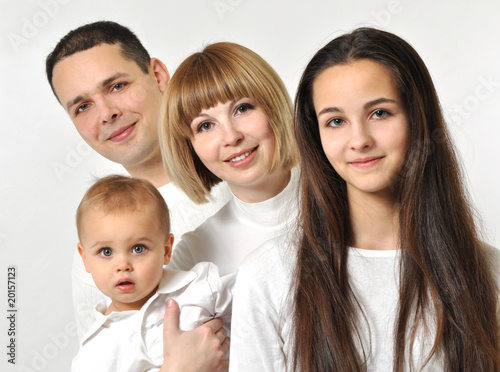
(367, 105)
(378, 101)
(331, 109)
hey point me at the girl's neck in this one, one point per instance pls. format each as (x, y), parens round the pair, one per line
(374, 221)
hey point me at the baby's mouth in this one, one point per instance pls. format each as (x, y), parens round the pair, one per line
(125, 285)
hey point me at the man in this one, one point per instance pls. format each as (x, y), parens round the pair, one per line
(112, 90)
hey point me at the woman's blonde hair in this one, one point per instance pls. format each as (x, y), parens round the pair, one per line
(222, 72)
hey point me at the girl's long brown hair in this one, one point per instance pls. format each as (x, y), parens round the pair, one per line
(444, 271)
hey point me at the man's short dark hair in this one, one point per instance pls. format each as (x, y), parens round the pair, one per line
(93, 34)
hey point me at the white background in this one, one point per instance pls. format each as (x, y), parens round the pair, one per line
(45, 167)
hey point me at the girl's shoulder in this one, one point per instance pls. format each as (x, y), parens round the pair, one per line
(276, 256)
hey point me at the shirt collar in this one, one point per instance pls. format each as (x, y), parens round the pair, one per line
(172, 281)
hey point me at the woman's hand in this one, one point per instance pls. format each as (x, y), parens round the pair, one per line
(199, 350)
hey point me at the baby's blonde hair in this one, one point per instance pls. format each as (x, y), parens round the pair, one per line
(118, 194)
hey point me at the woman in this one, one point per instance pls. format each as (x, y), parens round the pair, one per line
(389, 273)
(227, 117)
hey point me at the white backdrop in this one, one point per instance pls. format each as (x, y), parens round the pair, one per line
(45, 167)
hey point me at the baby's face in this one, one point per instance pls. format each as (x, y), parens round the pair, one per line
(125, 253)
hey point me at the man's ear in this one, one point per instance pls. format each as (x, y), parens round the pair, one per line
(82, 255)
(168, 249)
(161, 73)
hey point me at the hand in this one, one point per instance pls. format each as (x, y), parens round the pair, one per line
(199, 350)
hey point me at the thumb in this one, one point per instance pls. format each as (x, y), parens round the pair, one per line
(170, 320)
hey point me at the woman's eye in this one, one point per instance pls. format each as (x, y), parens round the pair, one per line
(203, 127)
(139, 248)
(380, 114)
(243, 108)
(335, 122)
(106, 252)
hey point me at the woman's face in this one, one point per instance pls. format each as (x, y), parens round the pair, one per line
(362, 123)
(235, 142)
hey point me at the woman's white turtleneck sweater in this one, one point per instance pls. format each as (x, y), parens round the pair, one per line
(237, 229)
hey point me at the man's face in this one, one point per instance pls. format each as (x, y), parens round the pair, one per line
(113, 103)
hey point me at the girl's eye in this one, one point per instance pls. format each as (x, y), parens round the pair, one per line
(139, 248)
(335, 122)
(106, 252)
(204, 126)
(243, 108)
(380, 114)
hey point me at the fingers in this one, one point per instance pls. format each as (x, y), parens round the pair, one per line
(215, 324)
(170, 319)
(221, 335)
(225, 345)
(224, 366)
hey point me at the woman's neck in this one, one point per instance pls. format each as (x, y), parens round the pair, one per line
(374, 221)
(273, 185)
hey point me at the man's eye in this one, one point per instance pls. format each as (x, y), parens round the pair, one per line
(82, 108)
(139, 248)
(119, 86)
(106, 252)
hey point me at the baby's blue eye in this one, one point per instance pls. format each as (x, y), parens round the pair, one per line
(106, 252)
(139, 248)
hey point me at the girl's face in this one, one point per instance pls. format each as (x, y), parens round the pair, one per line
(235, 142)
(362, 123)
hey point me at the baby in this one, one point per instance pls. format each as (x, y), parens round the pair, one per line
(124, 232)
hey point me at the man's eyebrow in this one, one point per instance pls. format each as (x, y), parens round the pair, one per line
(101, 85)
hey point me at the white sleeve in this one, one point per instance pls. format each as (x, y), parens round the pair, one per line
(258, 321)
(85, 296)
(222, 289)
(182, 258)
